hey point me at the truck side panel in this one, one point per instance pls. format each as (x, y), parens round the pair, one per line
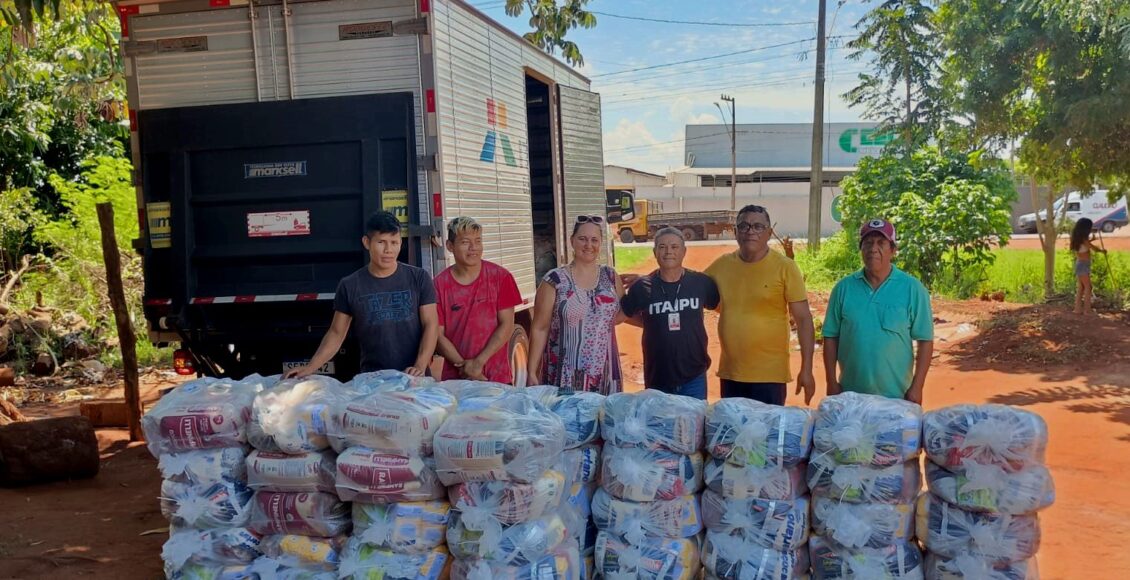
(582, 157)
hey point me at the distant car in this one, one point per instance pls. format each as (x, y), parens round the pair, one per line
(1094, 205)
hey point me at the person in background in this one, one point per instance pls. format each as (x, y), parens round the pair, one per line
(390, 306)
(668, 304)
(1082, 246)
(874, 318)
(576, 309)
(760, 288)
(475, 300)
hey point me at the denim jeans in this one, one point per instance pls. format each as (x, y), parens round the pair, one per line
(695, 388)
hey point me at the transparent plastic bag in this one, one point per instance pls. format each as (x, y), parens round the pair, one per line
(515, 439)
(201, 414)
(863, 525)
(363, 561)
(831, 561)
(406, 528)
(967, 567)
(1000, 435)
(311, 471)
(989, 488)
(648, 475)
(634, 521)
(303, 514)
(748, 432)
(948, 531)
(401, 422)
(729, 557)
(774, 482)
(897, 483)
(582, 464)
(653, 559)
(224, 504)
(293, 416)
(580, 498)
(563, 564)
(386, 380)
(475, 395)
(206, 466)
(202, 570)
(579, 411)
(653, 419)
(859, 429)
(780, 525)
(299, 551)
(475, 534)
(370, 476)
(222, 547)
(511, 502)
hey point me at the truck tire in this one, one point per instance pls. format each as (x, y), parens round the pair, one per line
(1107, 227)
(626, 236)
(689, 234)
(518, 351)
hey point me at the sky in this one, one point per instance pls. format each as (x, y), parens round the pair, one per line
(770, 76)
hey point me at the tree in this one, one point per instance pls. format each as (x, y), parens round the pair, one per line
(903, 92)
(949, 208)
(551, 20)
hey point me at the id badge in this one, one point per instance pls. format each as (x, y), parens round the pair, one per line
(673, 322)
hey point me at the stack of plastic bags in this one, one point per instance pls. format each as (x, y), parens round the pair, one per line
(986, 479)
(198, 433)
(755, 507)
(647, 507)
(864, 477)
(580, 413)
(386, 469)
(292, 470)
(500, 454)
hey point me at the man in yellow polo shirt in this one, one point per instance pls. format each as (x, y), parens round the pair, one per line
(760, 288)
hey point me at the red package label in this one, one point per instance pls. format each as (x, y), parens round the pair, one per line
(382, 473)
(188, 431)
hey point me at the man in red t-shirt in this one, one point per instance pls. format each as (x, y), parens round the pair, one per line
(475, 300)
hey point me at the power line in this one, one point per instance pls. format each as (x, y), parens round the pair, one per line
(722, 84)
(701, 23)
(712, 57)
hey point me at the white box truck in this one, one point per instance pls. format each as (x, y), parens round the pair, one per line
(264, 132)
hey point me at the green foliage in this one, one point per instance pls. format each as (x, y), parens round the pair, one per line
(18, 220)
(837, 257)
(949, 209)
(629, 258)
(551, 21)
(1020, 273)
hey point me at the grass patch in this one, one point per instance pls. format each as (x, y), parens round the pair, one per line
(629, 258)
(1020, 275)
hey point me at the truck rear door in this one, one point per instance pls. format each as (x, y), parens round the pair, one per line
(582, 160)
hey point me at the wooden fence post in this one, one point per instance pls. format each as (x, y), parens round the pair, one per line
(126, 338)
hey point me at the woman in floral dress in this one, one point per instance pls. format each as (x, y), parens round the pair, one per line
(576, 310)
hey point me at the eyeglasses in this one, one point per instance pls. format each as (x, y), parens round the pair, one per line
(590, 219)
(745, 227)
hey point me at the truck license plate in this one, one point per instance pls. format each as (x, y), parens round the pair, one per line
(327, 369)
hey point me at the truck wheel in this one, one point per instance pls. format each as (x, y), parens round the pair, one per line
(519, 350)
(688, 234)
(626, 236)
(1108, 227)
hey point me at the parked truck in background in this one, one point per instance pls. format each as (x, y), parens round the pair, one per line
(263, 133)
(649, 218)
(1095, 205)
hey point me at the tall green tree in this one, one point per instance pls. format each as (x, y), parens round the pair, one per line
(551, 21)
(899, 39)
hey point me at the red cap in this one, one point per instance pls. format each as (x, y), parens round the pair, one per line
(881, 226)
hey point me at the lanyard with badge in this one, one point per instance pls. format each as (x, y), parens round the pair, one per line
(674, 322)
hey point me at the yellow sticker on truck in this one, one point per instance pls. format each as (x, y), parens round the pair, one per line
(160, 228)
(395, 201)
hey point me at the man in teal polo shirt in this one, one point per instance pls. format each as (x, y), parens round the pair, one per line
(874, 317)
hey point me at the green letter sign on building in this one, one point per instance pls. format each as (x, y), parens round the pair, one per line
(868, 138)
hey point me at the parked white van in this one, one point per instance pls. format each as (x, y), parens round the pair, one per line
(1094, 205)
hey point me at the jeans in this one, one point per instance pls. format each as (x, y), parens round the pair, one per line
(771, 393)
(695, 388)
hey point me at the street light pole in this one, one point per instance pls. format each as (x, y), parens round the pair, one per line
(816, 180)
(733, 152)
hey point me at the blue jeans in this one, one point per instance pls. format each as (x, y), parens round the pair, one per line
(695, 387)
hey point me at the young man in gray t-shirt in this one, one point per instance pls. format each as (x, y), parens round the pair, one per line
(391, 307)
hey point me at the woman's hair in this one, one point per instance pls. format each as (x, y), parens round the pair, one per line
(577, 226)
(1081, 234)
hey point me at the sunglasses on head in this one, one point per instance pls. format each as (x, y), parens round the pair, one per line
(590, 219)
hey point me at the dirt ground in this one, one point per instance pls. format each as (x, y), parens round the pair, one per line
(1074, 372)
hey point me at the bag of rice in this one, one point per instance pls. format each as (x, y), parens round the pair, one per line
(653, 420)
(511, 502)
(948, 531)
(863, 525)
(311, 471)
(1000, 435)
(897, 483)
(515, 439)
(859, 429)
(647, 475)
(831, 561)
(303, 514)
(370, 476)
(653, 559)
(749, 482)
(293, 416)
(973, 568)
(225, 504)
(677, 518)
(476, 534)
(397, 422)
(748, 432)
(780, 525)
(406, 528)
(733, 558)
(989, 488)
(204, 467)
(363, 561)
(201, 414)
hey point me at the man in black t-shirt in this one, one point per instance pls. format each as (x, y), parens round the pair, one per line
(668, 304)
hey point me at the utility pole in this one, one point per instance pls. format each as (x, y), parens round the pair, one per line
(816, 185)
(733, 152)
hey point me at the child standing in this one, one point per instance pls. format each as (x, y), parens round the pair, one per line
(1082, 247)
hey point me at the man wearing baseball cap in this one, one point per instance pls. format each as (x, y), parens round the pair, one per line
(874, 318)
